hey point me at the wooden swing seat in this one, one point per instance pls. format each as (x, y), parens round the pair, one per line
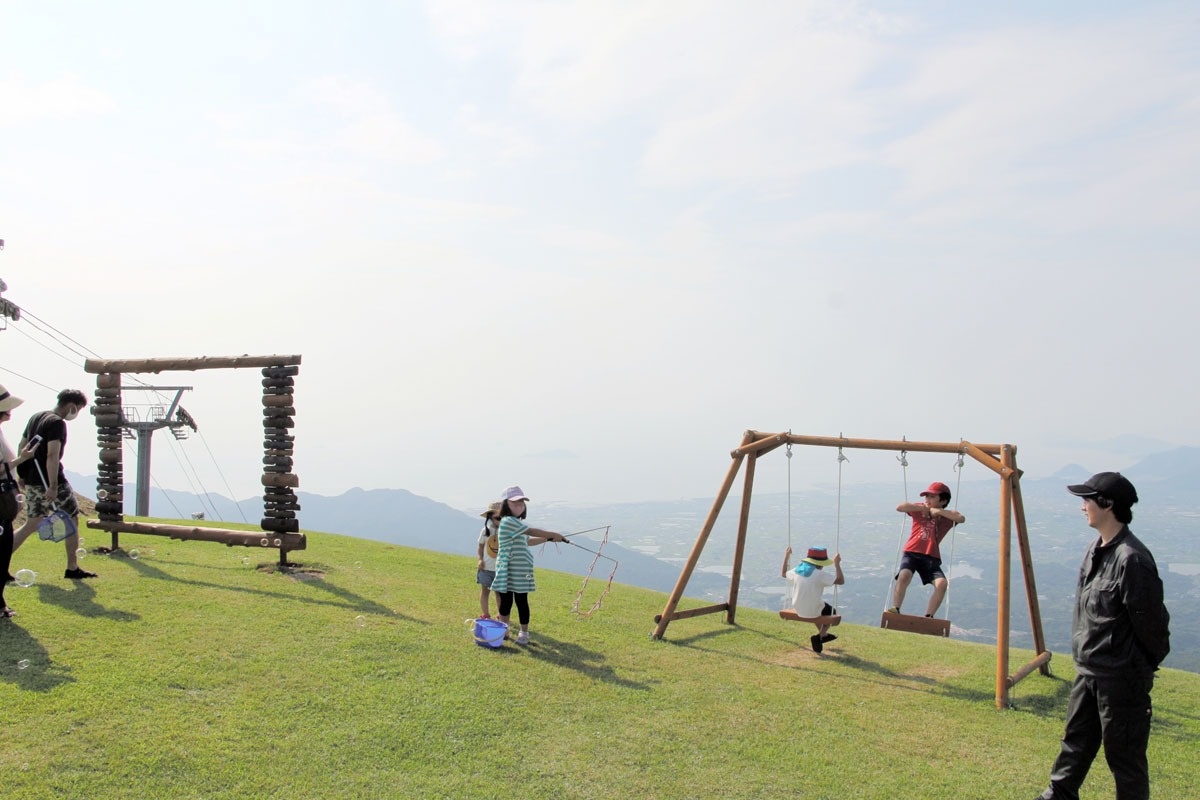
(914, 624)
(830, 619)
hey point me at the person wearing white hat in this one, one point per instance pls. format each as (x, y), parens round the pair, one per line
(514, 560)
(10, 506)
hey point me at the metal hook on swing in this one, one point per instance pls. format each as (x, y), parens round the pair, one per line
(903, 458)
(841, 456)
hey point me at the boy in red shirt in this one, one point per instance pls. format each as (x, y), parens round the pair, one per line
(931, 521)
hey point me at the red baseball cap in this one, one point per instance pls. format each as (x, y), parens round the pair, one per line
(936, 487)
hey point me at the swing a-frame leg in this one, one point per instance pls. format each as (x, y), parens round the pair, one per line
(914, 624)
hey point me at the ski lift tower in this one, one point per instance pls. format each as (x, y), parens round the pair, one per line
(175, 418)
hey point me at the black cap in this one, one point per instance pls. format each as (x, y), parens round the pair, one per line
(1112, 485)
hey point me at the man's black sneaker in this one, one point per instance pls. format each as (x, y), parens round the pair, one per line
(78, 574)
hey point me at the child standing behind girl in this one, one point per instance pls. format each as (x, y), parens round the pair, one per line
(485, 571)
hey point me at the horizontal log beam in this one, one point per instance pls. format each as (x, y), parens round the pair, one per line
(694, 612)
(1042, 659)
(287, 541)
(763, 440)
(99, 365)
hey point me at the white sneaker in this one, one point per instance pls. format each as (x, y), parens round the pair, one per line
(523, 637)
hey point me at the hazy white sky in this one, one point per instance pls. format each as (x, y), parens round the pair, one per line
(581, 246)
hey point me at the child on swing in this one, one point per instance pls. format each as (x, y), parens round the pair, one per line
(809, 580)
(931, 521)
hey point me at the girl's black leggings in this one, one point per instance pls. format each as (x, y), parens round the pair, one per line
(522, 600)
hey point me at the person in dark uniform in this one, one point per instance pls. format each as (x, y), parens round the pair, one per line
(1119, 636)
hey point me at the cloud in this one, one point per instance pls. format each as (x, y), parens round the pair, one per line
(1034, 122)
(61, 98)
(500, 141)
(371, 128)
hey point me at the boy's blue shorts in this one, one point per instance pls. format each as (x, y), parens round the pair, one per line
(484, 577)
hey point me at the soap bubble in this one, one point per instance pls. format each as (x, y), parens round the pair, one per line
(23, 663)
(102, 494)
(26, 578)
(360, 621)
(135, 554)
(265, 542)
(358, 565)
(245, 562)
(81, 552)
(277, 543)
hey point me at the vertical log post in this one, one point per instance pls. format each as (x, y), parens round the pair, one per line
(1035, 612)
(735, 579)
(1004, 578)
(279, 480)
(110, 477)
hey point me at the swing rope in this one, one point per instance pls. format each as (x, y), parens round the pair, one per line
(837, 544)
(837, 541)
(903, 459)
(789, 504)
(958, 467)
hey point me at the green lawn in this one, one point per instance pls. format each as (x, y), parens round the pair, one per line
(200, 671)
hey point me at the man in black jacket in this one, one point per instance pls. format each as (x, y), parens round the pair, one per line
(1119, 636)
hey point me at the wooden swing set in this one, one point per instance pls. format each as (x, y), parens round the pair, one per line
(999, 458)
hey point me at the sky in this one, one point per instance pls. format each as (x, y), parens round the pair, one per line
(582, 246)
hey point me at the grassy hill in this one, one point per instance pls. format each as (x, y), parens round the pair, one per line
(200, 671)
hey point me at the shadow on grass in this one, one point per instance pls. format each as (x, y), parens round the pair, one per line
(580, 659)
(339, 597)
(1174, 722)
(81, 598)
(25, 663)
(1051, 705)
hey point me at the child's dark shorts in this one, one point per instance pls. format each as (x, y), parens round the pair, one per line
(928, 567)
(484, 577)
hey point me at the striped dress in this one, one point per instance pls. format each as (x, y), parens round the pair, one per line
(514, 562)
